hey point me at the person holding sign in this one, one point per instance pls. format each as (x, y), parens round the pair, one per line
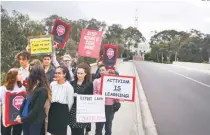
(62, 100)
(82, 85)
(12, 84)
(108, 105)
(67, 62)
(32, 112)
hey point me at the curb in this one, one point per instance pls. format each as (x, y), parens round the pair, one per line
(147, 119)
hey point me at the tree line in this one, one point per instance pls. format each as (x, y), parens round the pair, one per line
(171, 45)
(17, 27)
(166, 46)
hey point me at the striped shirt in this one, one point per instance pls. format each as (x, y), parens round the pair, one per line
(62, 93)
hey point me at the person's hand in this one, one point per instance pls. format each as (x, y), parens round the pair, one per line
(18, 119)
(4, 124)
(28, 48)
(122, 100)
(75, 94)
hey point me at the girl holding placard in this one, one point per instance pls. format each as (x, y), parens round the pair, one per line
(109, 112)
(82, 85)
(12, 84)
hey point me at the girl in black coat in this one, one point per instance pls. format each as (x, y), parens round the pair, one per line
(82, 85)
(32, 112)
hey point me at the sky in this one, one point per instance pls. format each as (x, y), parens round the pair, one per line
(152, 15)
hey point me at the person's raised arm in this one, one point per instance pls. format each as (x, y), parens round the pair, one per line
(54, 60)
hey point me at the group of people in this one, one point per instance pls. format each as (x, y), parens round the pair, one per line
(51, 90)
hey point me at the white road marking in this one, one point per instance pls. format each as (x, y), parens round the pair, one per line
(194, 69)
(185, 77)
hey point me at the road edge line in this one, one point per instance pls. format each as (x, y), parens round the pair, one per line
(147, 119)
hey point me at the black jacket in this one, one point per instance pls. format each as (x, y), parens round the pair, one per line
(86, 89)
(36, 112)
(50, 74)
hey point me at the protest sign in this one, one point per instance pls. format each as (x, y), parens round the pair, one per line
(13, 102)
(41, 44)
(90, 43)
(118, 87)
(110, 54)
(90, 108)
(61, 32)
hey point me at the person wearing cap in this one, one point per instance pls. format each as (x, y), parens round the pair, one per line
(67, 61)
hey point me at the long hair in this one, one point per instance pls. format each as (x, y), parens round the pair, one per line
(11, 79)
(37, 74)
(65, 71)
(86, 67)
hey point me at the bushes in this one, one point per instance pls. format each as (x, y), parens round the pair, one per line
(148, 56)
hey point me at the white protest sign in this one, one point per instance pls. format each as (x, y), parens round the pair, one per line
(90, 108)
(118, 87)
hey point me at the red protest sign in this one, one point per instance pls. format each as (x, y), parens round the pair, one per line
(17, 102)
(61, 32)
(110, 54)
(90, 43)
(12, 106)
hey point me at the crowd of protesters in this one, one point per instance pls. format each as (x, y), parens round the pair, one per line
(51, 88)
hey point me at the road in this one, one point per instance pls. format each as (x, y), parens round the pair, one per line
(179, 98)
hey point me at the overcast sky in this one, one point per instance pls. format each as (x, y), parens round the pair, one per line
(153, 15)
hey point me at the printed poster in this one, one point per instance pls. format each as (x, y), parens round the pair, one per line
(90, 43)
(61, 31)
(13, 102)
(90, 108)
(118, 87)
(41, 44)
(110, 55)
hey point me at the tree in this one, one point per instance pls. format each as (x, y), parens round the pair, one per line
(133, 37)
(114, 35)
(14, 32)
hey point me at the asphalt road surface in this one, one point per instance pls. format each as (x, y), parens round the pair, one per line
(179, 98)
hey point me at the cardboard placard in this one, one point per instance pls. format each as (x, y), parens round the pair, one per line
(61, 31)
(118, 87)
(90, 43)
(41, 44)
(13, 102)
(110, 54)
(90, 108)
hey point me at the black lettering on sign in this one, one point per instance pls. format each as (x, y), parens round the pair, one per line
(86, 98)
(98, 98)
(117, 94)
(117, 88)
(118, 81)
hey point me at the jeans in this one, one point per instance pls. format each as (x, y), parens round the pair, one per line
(32, 129)
(108, 124)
